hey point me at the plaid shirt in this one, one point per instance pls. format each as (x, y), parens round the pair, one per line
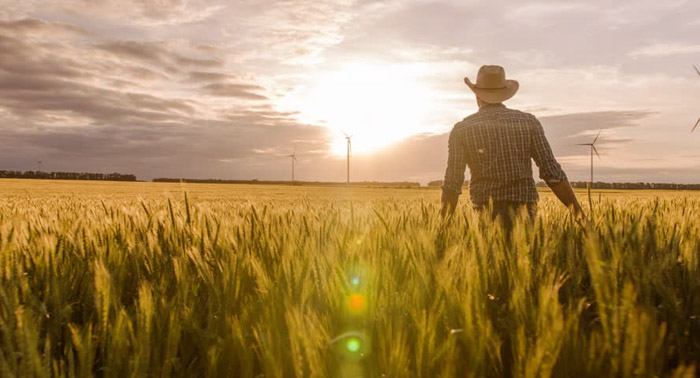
(497, 144)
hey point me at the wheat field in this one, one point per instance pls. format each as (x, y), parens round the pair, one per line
(160, 280)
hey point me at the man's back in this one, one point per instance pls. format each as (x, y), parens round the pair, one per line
(497, 144)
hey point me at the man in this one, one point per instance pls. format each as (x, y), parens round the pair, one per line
(497, 144)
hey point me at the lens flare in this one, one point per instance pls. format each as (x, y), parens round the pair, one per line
(356, 303)
(355, 281)
(353, 344)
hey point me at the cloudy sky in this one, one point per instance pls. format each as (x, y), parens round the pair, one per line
(228, 89)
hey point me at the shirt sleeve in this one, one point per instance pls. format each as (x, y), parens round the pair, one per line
(540, 151)
(456, 163)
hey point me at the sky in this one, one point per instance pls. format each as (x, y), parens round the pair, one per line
(228, 89)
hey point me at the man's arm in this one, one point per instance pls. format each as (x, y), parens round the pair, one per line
(454, 174)
(449, 202)
(566, 195)
(550, 170)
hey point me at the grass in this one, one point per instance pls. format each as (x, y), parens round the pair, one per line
(142, 279)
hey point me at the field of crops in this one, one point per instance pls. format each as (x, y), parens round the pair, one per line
(144, 279)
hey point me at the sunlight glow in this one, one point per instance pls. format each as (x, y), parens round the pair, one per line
(379, 104)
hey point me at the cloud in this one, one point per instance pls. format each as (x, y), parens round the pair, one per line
(32, 97)
(569, 129)
(39, 79)
(33, 27)
(234, 90)
(298, 32)
(166, 150)
(117, 107)
(142, 12)
(200, 83)
(666, 49)
(623, 14)
(203, 76)
(152, 53)
(535, 12)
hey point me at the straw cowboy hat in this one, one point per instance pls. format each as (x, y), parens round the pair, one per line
(491, 85)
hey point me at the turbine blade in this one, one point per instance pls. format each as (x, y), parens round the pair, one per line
(596, 152)
(696, 125)
(597, 136)
(696, 69)
(584, 144)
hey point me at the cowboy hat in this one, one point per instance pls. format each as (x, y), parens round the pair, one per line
(491, 85)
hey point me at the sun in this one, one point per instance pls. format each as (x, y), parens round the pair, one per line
(378, 104)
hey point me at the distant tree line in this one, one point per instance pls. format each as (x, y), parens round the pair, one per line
(67, 176)
(377, 184)
(610, 185)
(438, 183)
(399, 184)
(635, 185)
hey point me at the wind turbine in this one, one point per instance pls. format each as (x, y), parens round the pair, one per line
(294, 158)
(698, 122)
(39, 163)
(348, 137)
(593, 149)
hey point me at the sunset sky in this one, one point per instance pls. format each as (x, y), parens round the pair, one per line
(228, 89)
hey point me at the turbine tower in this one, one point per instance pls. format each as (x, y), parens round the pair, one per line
(39, 164)
(698, 122)
(348, 137)
(294, 158)
(593, 149)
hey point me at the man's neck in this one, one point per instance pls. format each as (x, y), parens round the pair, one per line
(486, 105)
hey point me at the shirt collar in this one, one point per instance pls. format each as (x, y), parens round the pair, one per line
(491, 106)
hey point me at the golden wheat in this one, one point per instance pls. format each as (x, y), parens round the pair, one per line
(141, 279)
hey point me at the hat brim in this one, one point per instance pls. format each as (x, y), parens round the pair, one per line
(494, 96)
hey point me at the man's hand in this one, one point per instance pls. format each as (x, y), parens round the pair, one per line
(566, 195)
(449, 202)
